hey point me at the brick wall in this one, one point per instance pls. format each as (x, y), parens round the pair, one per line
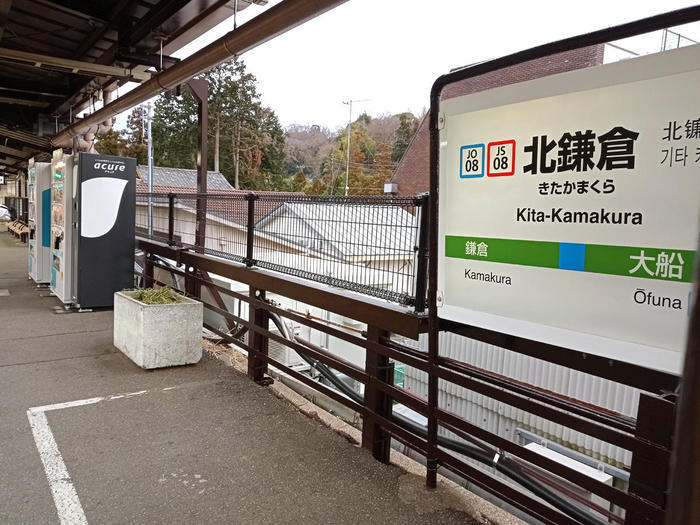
(412, 173)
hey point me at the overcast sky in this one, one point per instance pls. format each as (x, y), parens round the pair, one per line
(391, 51)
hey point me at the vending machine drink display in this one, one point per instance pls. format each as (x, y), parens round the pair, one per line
(103, 216)
(61, 227)
(93, 227)
(39, 216)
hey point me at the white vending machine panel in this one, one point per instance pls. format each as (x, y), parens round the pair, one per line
(39, 192)
(62, 177)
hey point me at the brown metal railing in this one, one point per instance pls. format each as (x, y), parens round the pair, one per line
(543, 487)
(649, 443)
(649, 436)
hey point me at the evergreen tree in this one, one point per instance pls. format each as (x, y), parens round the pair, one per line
(246, 141)
(137, 125)
(408, 125)
(175, 131)
(251, 137)
(136, 134)
(298, 182)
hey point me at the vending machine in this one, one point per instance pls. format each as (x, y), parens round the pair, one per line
(103, 239)
(39, 218)
(93, 227)
(61, 227)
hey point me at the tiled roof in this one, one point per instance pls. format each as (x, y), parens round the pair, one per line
(234, 208)
(182, 178)
(357, 230)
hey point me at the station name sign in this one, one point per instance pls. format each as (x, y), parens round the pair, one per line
(570, 205)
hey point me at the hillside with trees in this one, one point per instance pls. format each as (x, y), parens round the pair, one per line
(318, 158)
(249, 147)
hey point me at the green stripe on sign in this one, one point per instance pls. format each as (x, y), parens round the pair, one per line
(664, 264)
(510, 251)
(658, 263)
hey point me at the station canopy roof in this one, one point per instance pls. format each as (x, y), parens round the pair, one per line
(58, 58)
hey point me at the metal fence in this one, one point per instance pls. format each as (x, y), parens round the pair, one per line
(541, 485)
(370, 245)
(550, 491)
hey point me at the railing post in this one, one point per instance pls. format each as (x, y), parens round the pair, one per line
(422, 248)
(433, 320)
(377, 366)
(171, 219)
(649, 471)
(191, 284)
(250, 231)
(257, 368)
(148, 271)
(683, 505)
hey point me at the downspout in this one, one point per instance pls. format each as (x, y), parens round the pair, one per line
(87, 142)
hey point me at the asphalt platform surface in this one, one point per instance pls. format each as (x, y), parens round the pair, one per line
(194, 444)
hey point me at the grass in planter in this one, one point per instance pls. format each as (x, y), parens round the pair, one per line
(161, 295)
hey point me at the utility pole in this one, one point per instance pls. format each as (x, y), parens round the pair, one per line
(332, 175)
(347, 163)
(150, 174)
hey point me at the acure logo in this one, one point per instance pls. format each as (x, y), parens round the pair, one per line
(109, 167)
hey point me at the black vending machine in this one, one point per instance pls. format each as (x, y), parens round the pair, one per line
(104, 208)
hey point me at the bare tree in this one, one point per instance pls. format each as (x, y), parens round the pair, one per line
(305, 147)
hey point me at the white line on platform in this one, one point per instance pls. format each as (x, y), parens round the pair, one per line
(81, 402)
(70, 511)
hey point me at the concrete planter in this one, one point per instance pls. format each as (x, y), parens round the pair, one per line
(158, 335)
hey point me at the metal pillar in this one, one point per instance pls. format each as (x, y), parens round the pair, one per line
(422, 254)
(200, 90)
(374, 437)
(433, 320)
(250, 229)
(150, 172)
(684, 498)
(650, 466)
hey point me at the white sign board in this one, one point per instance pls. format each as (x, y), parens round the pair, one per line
(570, 205)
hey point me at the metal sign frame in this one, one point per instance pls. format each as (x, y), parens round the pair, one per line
(650, 380)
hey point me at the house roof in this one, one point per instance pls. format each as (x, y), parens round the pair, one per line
(224, 202)
(182, 178)
(348, 230)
